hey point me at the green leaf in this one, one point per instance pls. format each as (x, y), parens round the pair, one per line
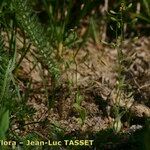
(77, 107)
(147, 6)
(5, 81)
(80, 110)
(112, 28)
(134, 21)
(83, 113)
(4, 123)
(80, 121)
(113, 12)
(117, 125)
(113, 19)
(143, 17)
(79, 98)
(129, 6)
(118, 25)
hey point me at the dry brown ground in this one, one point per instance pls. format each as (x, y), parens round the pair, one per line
(96, 79)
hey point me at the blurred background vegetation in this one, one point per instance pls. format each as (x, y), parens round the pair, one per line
(75, 13)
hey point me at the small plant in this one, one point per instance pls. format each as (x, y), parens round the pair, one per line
(81, 110)
(29, 23)
(117, 17)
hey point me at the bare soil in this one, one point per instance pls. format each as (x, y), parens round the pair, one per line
(95, 76)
